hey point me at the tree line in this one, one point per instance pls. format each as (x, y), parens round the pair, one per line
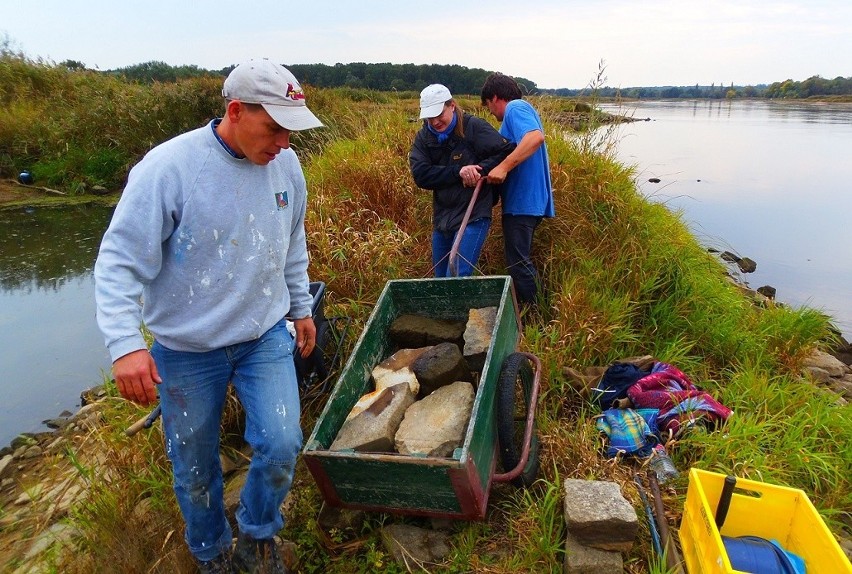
(697, 91)
(463, 80)
(815, 86)
(381, 77)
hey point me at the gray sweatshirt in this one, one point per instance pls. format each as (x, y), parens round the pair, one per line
(213, 245)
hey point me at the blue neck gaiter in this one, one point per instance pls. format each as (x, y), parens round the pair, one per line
(445, 134)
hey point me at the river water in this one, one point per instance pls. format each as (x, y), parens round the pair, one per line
(764, 180)
(50, 345)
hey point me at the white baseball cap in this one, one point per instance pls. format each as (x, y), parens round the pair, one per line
(432, 100)
(275, 88)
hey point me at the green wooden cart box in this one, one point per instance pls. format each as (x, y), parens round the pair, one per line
(455, 487)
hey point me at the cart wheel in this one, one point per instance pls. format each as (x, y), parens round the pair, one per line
(513, 397)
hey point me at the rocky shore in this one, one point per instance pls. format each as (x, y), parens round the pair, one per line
(39, 484)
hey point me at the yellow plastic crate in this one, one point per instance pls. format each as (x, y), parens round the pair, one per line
(757, 509)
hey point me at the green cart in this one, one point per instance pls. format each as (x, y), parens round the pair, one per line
(457, 486)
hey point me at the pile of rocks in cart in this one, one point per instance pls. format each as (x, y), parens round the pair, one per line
(424, 392)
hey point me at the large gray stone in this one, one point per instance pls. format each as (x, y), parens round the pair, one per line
(439, 366)
(843, 387)
(412, 331)
(829, 363)
(581, 559)
(373, 429)
(477, 336)
(816, 374)
(435, 425)
(597, 515)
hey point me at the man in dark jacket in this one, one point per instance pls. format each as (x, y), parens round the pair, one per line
(450, 154)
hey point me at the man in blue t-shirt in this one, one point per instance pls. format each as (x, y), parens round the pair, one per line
(527, 195)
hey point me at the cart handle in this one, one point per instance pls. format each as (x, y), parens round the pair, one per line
(143, 423)
(528, 430)
(453, 262)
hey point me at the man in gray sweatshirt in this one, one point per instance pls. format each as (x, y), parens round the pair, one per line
(207, 248)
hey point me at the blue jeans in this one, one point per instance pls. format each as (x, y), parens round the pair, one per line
(192, 396)
(469, 248)
(518, 233)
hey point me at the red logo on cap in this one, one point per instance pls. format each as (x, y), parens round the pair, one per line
(294, 93)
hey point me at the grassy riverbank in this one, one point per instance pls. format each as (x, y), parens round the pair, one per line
(624, 278)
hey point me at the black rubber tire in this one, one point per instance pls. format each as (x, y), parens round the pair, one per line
(516, 378)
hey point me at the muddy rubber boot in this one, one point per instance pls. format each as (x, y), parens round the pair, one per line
(219, 565)
(253, 556)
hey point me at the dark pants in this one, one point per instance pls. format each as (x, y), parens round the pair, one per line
(518, 233)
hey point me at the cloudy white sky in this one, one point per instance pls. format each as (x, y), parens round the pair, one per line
(555, 43)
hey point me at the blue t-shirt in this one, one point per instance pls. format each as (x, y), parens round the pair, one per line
(527, 190)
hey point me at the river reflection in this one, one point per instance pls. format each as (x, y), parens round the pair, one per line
(50, 346)
(764, 180)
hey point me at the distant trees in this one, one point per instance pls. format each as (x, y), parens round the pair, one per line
(384, 76)
(155, 71)
(73, 65)
(399, 77)
(813, 86)
(463, 80)
(713, 91)
(748, 92)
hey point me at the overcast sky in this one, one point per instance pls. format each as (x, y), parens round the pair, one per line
(555, 43)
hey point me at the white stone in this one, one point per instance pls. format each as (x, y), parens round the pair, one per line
(396, 369)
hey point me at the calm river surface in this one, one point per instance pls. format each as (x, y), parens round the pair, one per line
(50, 346)
(768, 181)
(763, 180)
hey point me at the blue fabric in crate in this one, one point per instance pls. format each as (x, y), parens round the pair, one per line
(761, 556)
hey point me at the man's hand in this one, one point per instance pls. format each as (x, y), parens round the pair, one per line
(497, 175)
(306, 336)
(136, 376)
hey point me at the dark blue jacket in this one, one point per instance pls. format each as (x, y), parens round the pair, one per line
(436, 167)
